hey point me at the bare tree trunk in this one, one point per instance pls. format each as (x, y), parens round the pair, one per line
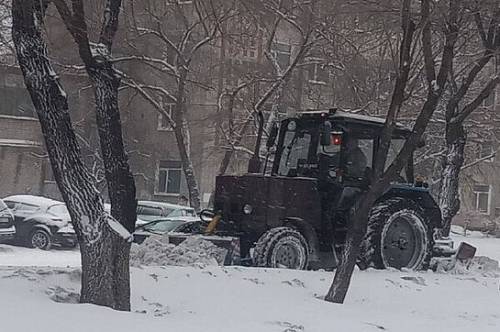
(449, 200)
(100, 274)
(436, 84)
(183, 137)
(121, 184)
(357, 229)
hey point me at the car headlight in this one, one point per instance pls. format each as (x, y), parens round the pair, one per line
(4, 219)
(247, 209)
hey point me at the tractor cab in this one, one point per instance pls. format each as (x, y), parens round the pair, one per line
(294, 207)
(334, 146)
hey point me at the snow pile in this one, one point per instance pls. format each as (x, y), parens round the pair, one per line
(156, 251)
(479, 265)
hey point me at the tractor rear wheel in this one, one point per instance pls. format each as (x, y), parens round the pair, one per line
(398, 236)
(282, 247)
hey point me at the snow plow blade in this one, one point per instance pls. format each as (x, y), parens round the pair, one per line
(465, 252)
(231, 244)
(445, 257)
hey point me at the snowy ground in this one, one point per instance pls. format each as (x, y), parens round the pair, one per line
(486, 245)
(193, 299)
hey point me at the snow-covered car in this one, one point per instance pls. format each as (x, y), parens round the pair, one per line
(41, 222)
(138, 221)
(152, 210)
(7, 229)
(163, 226)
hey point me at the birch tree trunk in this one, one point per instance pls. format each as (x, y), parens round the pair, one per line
(183, 137)
(449, 200)
(104, 273)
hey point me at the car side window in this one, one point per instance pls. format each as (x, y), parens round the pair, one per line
(149, 210)
(175, 213)
(26, 207)
(10, 205)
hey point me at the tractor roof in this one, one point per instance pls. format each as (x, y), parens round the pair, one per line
(349, 116)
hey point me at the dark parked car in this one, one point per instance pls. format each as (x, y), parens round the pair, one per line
(151, 210)
(7, 229)
(41, 222)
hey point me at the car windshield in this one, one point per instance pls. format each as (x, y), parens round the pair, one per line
(163, 226)
(182, 213)
(2, 205)
(152, 211)
(58, 210)
(295, 150)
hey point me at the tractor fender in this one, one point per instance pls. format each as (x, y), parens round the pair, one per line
(422, 197)
(308, 232)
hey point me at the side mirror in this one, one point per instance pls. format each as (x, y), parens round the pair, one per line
(207, 215)
(272, 136)
(325, 133)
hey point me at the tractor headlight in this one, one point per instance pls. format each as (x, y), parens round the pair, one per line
(247, 209)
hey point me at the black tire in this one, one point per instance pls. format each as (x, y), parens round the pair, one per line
(282, 247)
(40, 239)
(399, 235)
(72, 246)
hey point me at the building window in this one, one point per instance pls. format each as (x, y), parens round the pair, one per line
(282, 53)
(486, 152)
(48, 175)
(317, 73)
(490, 100)
(15, 101)
(163, 122)
(249, 46)
(482, 196)
(180, 2)
(169, 177)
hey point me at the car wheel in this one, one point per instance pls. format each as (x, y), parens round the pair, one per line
(40, 239)
(282, 247)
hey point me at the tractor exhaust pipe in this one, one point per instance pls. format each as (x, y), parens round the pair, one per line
(254, 165)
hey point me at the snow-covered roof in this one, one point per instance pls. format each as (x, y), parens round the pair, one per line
(17, 117)
(164, 205)
(351, 115)
(356, 116)
(33, 200)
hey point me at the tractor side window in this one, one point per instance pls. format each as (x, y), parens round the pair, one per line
(358, 157)
(296, 150)
(394, 149)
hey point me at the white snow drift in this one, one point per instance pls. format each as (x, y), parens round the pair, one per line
(205, 297)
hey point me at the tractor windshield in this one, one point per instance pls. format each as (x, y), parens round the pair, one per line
(296, 145)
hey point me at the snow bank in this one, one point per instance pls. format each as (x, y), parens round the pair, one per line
(156, 251)
(479, 265)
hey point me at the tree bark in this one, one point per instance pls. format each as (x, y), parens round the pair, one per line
(121, 184)
(449, 198)
(359, 213)
(183, 137)
(102, 263)
(356, 229)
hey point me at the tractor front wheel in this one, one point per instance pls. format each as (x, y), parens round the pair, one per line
(398, 236)
(282, 247)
